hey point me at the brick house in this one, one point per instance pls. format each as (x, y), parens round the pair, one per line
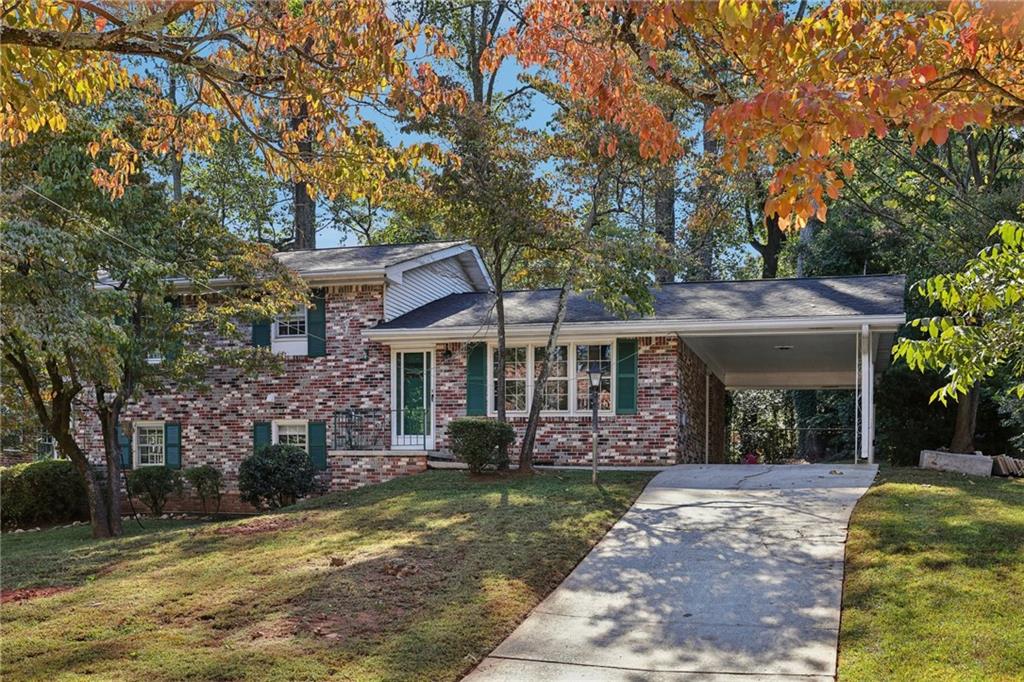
(400, 340)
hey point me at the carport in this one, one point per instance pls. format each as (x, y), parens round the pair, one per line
(805, 353)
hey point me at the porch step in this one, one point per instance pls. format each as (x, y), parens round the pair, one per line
(445, 464)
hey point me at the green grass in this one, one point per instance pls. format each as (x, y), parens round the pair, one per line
(935, 580)
(433, 571)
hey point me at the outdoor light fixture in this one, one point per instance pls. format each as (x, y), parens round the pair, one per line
(595, 375)
(447, 354)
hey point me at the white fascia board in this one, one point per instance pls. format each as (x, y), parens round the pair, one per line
(364, 276)
(394, 273)
(796, 325)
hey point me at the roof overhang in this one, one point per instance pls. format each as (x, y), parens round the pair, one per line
(465, 254)
(648, 327)
(789, 353)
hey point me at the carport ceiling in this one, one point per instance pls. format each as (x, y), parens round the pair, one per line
(805, 360)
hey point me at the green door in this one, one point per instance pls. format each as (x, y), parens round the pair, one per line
(413, 386)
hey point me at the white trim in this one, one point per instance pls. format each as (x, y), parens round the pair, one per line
(293, 345)
(573, 410)
(429, 440)
(136, 457)
(394, 273)
(824, 324)
(288, 422)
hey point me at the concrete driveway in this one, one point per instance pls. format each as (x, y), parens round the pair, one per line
(717, 572)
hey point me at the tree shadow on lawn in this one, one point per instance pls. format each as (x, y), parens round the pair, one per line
(932, 555)
(409, 580)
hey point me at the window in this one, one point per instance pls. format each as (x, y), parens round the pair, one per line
(149, 444)
(291, 433)
(555, 393)
(587, 355)
(515, 379)
(292, 324)
(567, 390)
(48, 447)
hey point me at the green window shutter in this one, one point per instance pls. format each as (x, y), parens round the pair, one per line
(625, 376)
(261, 333)
(476, 379)
(318, 444)
(124, 444)
(316, 325)
(172, 445)
(260, 435)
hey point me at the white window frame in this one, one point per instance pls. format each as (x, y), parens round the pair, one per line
(492, 349)
(300, 310)
(278, 423)
(53, 452)
(295, 345)
(136, 454)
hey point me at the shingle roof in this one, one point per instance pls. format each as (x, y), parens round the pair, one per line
(321, 261)
(739, 300)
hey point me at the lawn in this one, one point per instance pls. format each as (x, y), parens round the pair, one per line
(413, 579)
(935, 580)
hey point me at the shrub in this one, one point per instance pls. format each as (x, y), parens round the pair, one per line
(152, 485)
(480, 443)
(276, 476)
(50, 491)
(206, 481)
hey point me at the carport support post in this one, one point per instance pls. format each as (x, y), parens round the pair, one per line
(867, 396)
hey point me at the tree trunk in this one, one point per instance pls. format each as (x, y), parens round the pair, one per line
(665, 214)
(112, 484)
(771, 248)
(303, 204)
(101, 515)
(176, 161)
(809, 441)
(530, 437)
(806, 237)
(709, 145)
(966, 421)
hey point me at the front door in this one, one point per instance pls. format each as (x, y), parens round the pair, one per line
(412, 425)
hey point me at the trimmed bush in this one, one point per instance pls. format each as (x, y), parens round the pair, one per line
(206, 481)
(276, 476)
(480, 442)
(46, 492)
(153, 485)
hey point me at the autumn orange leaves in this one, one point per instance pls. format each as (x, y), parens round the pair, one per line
(791, 92)
(792, 85)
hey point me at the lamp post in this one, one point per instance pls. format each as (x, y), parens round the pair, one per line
(595, 374)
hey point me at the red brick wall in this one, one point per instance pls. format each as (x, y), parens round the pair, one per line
(691, 373)
(669, 376)
(217, 424)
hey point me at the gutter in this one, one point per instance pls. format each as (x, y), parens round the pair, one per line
(834, 324)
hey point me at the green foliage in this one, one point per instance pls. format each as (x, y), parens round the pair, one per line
(933, 568)
(206, 481)
(982, 328)
(50, 491)
(480, 442)
(276, 476)
(153, 485)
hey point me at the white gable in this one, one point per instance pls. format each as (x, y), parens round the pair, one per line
(424, 284)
